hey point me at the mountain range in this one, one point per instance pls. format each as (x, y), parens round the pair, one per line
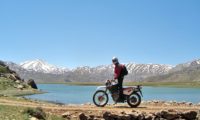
(41, 71)
(187, 72)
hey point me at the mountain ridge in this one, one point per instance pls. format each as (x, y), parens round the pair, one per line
(39, 65)
(186, 72)
(137, 72)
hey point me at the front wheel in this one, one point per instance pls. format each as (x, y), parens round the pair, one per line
(100, 98)
(134, 100)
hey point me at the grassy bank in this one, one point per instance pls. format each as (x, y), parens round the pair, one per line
(20, 113)
(7, 87)
(16, 92)
(153, 84)
(14, 112)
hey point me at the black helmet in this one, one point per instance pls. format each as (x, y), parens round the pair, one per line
(115, 60)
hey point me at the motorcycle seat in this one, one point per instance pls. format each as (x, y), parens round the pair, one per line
(128, 88)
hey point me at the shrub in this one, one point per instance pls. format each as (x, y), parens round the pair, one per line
(36, 112)
(3, 69)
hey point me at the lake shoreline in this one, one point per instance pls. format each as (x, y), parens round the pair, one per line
(150, 84)
(20, 93)
(63, 93)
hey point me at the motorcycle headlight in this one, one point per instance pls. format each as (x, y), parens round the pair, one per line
(108, 83)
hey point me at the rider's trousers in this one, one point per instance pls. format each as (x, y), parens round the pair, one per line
(120, 87)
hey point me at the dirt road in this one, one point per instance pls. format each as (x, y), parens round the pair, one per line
(147, 107)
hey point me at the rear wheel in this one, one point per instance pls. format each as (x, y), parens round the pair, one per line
(100, 98)
(134, 100)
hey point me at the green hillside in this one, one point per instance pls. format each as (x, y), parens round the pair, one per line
(11, 84)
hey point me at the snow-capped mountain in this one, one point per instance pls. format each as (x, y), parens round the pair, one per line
(148, 68)
(189, 64)
(42, 66)
(41, 71)
(185, 72)
(99, 73)
(131, 67)
(136, 71)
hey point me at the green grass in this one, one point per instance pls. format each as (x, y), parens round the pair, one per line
(3, 69)
(17, 92)
(20, 113)
(6, 83)
(9, 113)
(153, 84)
(7, 88)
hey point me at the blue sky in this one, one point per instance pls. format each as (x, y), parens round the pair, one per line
(71, 33)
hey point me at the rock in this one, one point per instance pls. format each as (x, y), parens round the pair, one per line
(33, 118)
(126, 117)
(17, 81)
(155, 101)
(109, 116)
(180, 119)
(189, 103)
(88, 103)
(172, 102)
(36, 112)
(20, 86)
(183, 103)
(66, 115)
(172, 110)
(82, 116)
(141, 116)
(74, 117)
(32, 83)
(158, 114)
(10, 76)
(123, 112)
(169, 115)
(189, 115)
(167, 104)
(16, 76)
(1, 75)
(148, 117)
(133, 116)
(91, 116)
(198, 104)
(162, 119)
(134, 111)
(89, 112)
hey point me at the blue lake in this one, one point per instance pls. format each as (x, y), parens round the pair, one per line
(83, 94)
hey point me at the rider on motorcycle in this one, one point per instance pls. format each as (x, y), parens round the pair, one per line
(117, 75)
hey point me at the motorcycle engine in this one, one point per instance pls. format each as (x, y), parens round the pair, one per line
(115, 96)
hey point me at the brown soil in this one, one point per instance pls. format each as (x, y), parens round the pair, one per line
(97, 111)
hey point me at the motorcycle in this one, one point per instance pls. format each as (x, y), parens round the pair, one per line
(132, 95)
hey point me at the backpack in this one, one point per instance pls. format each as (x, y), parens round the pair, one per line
(124, 70)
